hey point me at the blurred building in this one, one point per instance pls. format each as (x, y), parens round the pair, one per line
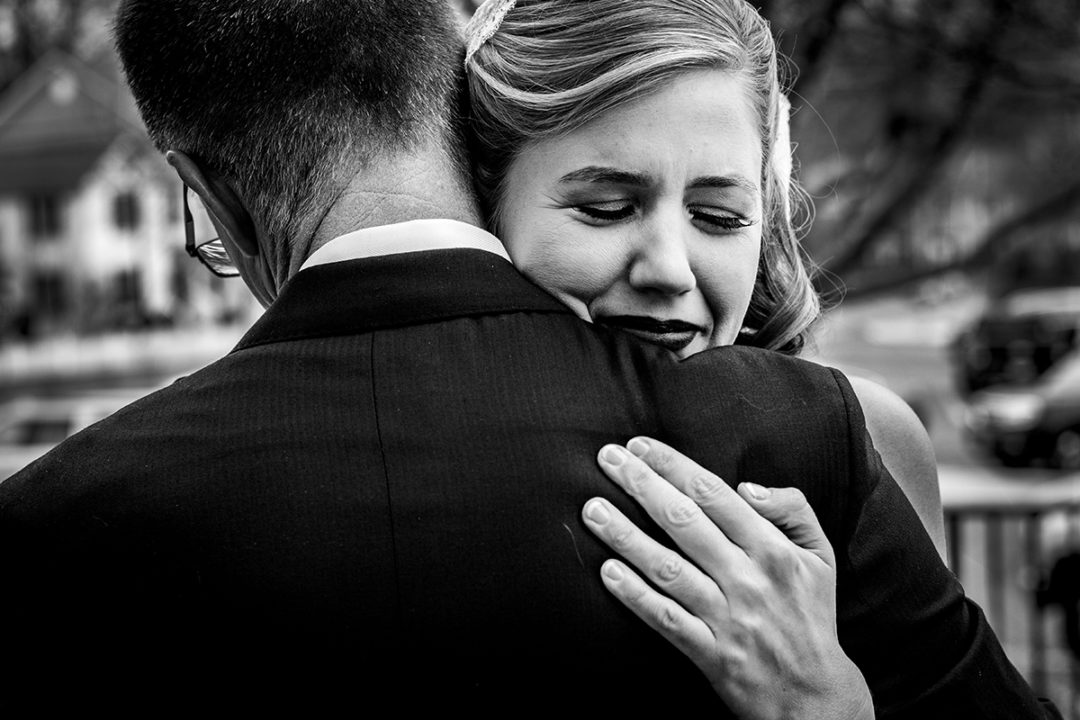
(91, 233)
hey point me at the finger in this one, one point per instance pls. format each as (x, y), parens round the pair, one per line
(679, 627)
(720, 503)
(699, 537)
(789, 511)
(668, 570)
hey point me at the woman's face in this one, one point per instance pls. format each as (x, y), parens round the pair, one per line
(648, 218)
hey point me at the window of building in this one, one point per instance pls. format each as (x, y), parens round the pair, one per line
(126, 211)
(50, 294)
(44, 216)
(127, 287)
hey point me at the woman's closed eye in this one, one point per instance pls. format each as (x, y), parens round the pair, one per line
(606, 212)
(715, 219)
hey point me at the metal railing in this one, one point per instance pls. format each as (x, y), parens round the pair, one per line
(1003, 536)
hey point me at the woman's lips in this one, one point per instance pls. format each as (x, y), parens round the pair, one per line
(674, 335)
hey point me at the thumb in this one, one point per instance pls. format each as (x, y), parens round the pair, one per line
(787, 509)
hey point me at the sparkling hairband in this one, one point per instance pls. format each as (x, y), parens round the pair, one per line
(485, 21)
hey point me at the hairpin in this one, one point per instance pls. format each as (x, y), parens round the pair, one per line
(485, 21)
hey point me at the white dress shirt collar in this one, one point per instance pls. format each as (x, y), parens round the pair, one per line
(411, 236)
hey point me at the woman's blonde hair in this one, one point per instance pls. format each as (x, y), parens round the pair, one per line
(554, 65)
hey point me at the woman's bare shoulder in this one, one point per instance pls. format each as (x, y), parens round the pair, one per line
(892, 417)
(906, 449)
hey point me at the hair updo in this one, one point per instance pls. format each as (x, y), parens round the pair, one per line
(553, 66)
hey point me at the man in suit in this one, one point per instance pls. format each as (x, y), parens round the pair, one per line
(375, 497)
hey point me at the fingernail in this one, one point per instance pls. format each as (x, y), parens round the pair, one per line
(612, 571)
(756, 491)
(638, 446)
(596, 512)
(612, 455)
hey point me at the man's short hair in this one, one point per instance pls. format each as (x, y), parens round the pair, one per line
(275, 94)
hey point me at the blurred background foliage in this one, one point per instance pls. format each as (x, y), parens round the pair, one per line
(30, 28)
(940, 133)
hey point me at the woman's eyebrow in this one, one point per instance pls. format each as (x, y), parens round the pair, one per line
(600, 174)
(726, 181)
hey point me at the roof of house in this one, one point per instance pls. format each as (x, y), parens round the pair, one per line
(58, 119)
(51, 169)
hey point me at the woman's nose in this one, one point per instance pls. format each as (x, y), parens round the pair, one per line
(662, 263)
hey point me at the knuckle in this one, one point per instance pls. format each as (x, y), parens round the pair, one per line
(748, 582)
(682, 512)
(797, 497)
(755, 588)
(705, 487)
(662, 459)
(638, 478)
(621, 539)
(669, 568)
(793, 501)
(745, 631)
(736, 659)
(638, 595)
(668, 619)
(779, 561)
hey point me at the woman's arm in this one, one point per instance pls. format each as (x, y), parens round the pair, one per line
(906, 451)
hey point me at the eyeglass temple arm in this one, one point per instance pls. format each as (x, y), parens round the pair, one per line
(189, 224)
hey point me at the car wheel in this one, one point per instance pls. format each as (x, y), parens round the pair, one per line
(1067, 449)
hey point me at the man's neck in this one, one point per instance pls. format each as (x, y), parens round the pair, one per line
(416, 186)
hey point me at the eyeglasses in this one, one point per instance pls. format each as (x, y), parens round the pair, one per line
(210, 253)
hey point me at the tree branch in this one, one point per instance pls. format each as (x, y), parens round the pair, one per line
(994, 243)
(819, 34)
(856, 243)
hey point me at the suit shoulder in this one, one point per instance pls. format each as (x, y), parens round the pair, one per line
(765, 374)
(96, 462)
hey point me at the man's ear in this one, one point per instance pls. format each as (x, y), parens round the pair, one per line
(229, 215)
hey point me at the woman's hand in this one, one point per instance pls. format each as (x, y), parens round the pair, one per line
(756, 608)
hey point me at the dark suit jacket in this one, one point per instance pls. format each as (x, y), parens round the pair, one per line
(376, 498)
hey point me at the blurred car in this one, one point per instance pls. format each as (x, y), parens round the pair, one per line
(31, 427)
(1018, 338)
(1036, 423)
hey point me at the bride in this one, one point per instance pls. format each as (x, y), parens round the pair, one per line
(634, 158)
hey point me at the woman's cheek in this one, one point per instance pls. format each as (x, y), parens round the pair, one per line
(579, 263)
